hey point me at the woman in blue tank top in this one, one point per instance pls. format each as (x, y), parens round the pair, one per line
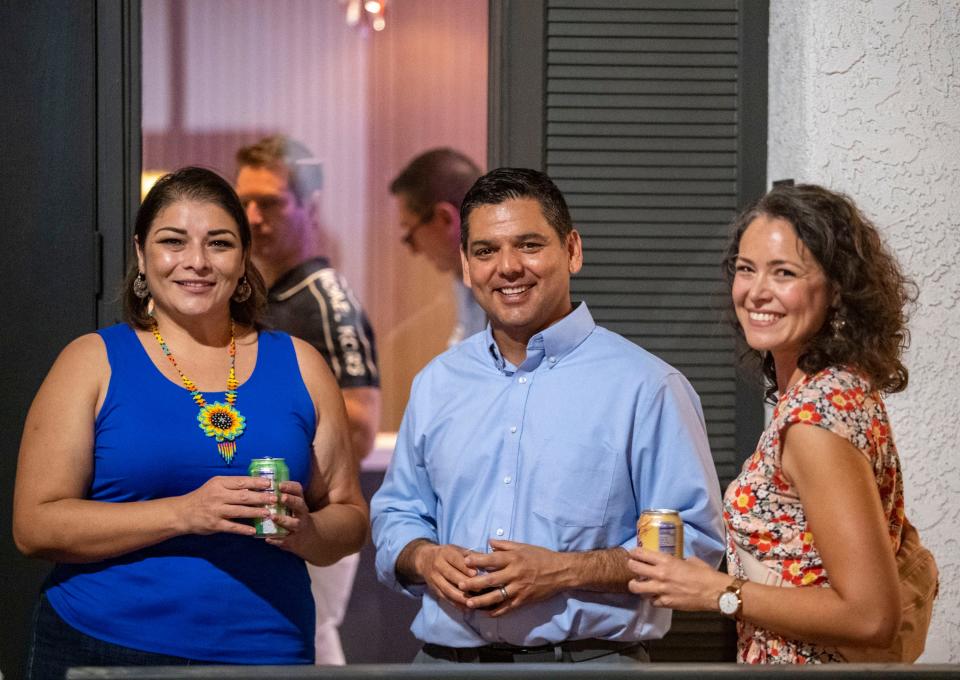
(133, 465)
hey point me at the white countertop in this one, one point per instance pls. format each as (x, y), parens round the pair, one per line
(379, 458)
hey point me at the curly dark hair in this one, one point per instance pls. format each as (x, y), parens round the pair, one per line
(204, 186)
(873, 293)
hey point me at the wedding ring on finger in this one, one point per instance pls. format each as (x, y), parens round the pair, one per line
(503, 593)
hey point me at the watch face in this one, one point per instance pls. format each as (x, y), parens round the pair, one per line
(729, 603)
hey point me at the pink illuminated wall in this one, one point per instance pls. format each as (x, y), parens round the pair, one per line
(428, 87)
(221, 73)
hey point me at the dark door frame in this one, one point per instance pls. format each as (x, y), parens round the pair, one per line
(118, 146)
(71, 141)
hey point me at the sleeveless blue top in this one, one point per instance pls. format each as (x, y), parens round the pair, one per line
(222, 597)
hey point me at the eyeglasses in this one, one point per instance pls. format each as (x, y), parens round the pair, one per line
(407, 238)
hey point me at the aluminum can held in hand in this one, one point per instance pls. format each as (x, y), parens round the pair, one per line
(661, 530)
(275, 470)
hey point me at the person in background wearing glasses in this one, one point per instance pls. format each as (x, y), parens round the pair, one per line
(278, 181)
(429, 192)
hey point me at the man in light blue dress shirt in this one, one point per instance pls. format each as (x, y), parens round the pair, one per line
(527, 453)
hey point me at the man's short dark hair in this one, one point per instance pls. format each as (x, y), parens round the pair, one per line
(280, 153)
(504, 184)
(435, 176)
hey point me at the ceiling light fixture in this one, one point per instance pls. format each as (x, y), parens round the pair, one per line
(366, 14)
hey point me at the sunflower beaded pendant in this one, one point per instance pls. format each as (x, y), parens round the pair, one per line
(223, 422)
(219, 420)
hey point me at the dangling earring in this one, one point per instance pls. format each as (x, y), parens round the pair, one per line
(243, 291)
(837, 323)
(140, 286)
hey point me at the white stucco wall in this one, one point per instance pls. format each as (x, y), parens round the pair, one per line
(865, 98)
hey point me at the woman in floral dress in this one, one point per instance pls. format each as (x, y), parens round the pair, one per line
(817, 511)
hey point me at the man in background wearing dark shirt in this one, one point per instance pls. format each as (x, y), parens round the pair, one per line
(278, 181)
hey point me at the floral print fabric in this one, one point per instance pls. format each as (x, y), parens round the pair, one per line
(764, 515)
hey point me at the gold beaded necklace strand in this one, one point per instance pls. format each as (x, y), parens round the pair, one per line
(219, 420)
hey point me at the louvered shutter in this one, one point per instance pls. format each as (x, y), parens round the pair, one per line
(641, 135)
(650, 115)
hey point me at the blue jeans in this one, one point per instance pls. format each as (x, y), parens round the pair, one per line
(56, 646)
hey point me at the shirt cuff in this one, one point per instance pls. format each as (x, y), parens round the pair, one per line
(389, 550)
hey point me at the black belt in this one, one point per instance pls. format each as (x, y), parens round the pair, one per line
(572, 650)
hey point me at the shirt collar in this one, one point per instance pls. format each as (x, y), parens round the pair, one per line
(553, 342)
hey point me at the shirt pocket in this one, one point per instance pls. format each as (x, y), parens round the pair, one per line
(572, 482)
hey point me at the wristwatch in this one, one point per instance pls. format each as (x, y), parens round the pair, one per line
(730, 601)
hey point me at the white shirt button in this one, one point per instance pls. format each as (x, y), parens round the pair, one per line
(552, 360)
(513, 429)
(507, 479)
(499, 532)
(522, 380)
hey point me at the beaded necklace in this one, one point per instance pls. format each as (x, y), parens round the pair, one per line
(219, 420)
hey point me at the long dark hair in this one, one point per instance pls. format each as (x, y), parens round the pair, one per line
(872, 290)
(205, 186)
